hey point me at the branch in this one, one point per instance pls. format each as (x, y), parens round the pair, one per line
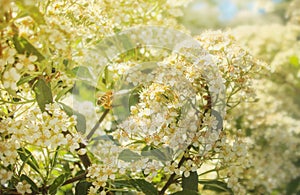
(171, 178)
(85, 158)
(76, 178)
(88, 137)
(207, 107)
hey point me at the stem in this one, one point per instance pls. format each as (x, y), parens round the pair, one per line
(85, 158)
(88, 137)
(209, 171)
(208, 107)
(76, 178)
(171, 178)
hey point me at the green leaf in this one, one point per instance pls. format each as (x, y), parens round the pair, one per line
(54, 159)
(70, 157)
(30, 10)
(190, 182)
(144, 186)
(62, 92)
(215, 185)
(108, 79)
(82, 187)
(25, 47)
(82, 72)
(294, 61)
(138, 184)
(57, 183)
(43, 93)
(293, 187)
(81, 121)
(125, 40)
(29, 181)
(25, 79)
(186, 192)
(134, 96)
(28, 158)
(161, 154)
(129, 156)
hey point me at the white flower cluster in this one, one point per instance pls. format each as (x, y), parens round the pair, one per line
(237, 65)
(272, 124)
(50, 129)
(170, 113)
(45, 129)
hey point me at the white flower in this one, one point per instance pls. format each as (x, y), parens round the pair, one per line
(23, 187)
(10, 78)
(210, 121)
(5, 176)
(26, 62)
(8, 56)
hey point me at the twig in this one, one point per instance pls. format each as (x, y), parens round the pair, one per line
(85, 158)
(171, 178)
(76, 178)
(207, 107)
(88, 137)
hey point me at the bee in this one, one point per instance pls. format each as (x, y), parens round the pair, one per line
(105, 100)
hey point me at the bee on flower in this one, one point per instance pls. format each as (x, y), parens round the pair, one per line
(105, 100)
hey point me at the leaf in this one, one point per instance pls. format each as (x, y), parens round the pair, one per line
(82, 72)
(63, 92)
(43, 93)
(186, 192)
(54, 159)
(28, 158)
(82, 187)
(215, 185)
(293, 186)
(190, 182)
(161, 154)
(80, 118)
(57, 183)
(25, 79)
(107, 138)
(69, 157)
(125, 40)
(294, 61)
(129, 156)
(139, 184)
(108, 80)
(31, 10)
(146, 187)
(134, 96)
(29, 181)
(25, 47)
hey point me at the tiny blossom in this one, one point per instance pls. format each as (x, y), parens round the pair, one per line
(210, 121)
(93, 190)
(171, 168)
(26, 62)
(23, 187)
(5, 176)
(10, 78)
(57, 39)
(188, 167)
(100, 174)
(8, 149)
(8, 57)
